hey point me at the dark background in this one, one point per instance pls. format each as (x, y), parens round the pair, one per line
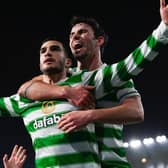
(127, 23)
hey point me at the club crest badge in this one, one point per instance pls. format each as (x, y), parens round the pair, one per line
(48, 107)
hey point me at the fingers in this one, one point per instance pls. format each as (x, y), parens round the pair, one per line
(70, 129)
(23, 158)
(5, 158)
(88, 87)
(20, 153)
(63, 121)
(66, 124)
(17, 158)
(86, 103)
(86, 99)
(81, 96)
(14, 151)
(67, 127)
(162, 3)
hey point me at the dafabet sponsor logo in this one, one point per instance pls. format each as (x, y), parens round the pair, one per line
(47, 108)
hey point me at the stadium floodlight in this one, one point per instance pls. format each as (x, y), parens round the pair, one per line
(126, 144)
(143, 160)
(161, 139)
(135, 143)
(148, 141)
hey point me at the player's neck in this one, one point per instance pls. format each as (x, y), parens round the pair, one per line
(90, 64)
(53, 78)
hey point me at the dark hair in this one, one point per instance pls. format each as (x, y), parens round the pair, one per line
(98, 30)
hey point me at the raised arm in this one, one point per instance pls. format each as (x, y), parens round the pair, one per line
(134, 64)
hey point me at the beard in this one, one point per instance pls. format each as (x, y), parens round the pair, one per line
(80, 56)
(51, 70)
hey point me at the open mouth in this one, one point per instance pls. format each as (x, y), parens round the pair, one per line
(78, 46)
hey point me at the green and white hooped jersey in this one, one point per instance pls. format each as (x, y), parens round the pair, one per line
(110, 136)
(54, 148)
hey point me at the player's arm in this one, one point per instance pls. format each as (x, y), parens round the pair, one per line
(129, 111)
(38, 90)
(146, 52)
(122, 106)
(7, 106)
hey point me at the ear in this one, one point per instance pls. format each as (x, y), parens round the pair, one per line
(68, 62)
(100, 40)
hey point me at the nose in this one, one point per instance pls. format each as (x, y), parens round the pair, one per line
(76, 36)
(48, 53)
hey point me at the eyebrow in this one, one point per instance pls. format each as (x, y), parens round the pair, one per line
(81, 30)
(51, 47)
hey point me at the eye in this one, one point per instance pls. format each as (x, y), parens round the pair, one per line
(43, 50)
(55, 48)
(82, 31)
